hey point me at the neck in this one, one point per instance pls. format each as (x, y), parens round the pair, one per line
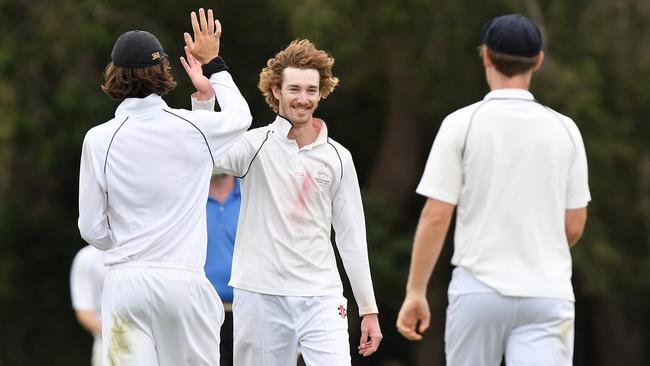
(305, 133)
(497, 80)
(221, 186)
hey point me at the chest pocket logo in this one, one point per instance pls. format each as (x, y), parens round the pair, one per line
(322, 175)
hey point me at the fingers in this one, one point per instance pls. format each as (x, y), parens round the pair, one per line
(202, 20)
(195, 24)
(190, 58)
(424, 325)
(363, 342)
(186, 66)
(217, 28)
(188, 40)
(406, 327)
(210, 22)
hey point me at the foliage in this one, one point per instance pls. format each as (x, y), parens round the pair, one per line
(420, 53)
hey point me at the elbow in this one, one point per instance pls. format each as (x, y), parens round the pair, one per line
(436, 214)
(246, 117)
(575, 224)
(574, 233)
(94, 236)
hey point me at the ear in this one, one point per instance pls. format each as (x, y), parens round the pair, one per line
(486, 59)
(276, 92)
(540, 60)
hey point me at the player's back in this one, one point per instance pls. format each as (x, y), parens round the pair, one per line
(157, 167)
(517, 161)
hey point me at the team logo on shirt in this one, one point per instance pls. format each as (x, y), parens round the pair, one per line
(342, 312)
(322, 175)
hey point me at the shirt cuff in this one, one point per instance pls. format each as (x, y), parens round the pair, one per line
(215, 65)
(203, 104)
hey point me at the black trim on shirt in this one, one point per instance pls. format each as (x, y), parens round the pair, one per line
(254, 156)
(108, 149)
(287, 119)
(337, 154)
(555, 114)
(201, 132)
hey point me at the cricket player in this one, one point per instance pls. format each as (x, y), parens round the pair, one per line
(87, 275)
(142, 191)
(516, 172)
(296, 183)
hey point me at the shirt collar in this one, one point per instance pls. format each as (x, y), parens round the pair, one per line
(283, 125)
(136, 106)
(509, 94)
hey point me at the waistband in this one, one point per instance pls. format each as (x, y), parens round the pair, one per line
(154, 265)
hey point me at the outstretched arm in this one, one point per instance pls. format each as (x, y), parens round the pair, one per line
(429, 238)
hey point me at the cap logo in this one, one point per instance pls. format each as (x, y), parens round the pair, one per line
(155, 56)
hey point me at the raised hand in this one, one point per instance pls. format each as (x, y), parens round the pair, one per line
(193, 69)
(207, 32)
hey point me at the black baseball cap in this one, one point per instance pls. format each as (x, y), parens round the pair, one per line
(137, 49)
(512, 34)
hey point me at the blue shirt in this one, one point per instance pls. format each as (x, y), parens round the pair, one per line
(222, 228)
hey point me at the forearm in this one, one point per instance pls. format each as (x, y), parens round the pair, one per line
(429, 239)
(575, 220)
(89, 321)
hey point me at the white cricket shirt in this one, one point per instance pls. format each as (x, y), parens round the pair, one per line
(291, 198)
(512, 166)
(87, 280)
(144, 176)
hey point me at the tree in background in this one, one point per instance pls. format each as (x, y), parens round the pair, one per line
(404, 65)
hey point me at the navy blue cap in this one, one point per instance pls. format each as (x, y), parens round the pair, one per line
(137, 49)
(512, 34)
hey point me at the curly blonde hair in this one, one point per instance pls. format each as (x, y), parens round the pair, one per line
(301, 54)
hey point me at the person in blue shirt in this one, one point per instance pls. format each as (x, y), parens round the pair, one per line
(222, 214)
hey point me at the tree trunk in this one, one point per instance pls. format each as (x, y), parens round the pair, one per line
(399, 165)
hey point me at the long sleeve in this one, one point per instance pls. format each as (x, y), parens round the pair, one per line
(350, 228)
(93, 206)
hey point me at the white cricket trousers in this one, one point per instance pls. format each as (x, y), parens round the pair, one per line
(269, 330)
(96, 359)
(483, 327)
(154, 314)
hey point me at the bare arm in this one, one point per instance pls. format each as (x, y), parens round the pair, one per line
(89, 321)
(429, 239)
(575, 220)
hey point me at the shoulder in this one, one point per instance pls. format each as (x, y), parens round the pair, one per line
(344, 154)
(104, 131)
(463, 115)
(570, 124)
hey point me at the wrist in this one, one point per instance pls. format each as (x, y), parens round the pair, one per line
(214, 66)
(203, 96)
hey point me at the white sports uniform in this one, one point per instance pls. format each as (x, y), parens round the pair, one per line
(284, 270)
(512, 166)
(86, 283)
(143, 186)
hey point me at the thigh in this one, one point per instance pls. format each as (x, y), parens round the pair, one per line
(126, 335)
(323, 330)
(476, 329)
(96, 359)
(264, 332)
(187, 317)
(543, 334)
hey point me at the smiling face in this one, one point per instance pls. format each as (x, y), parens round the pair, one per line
(298, 95)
